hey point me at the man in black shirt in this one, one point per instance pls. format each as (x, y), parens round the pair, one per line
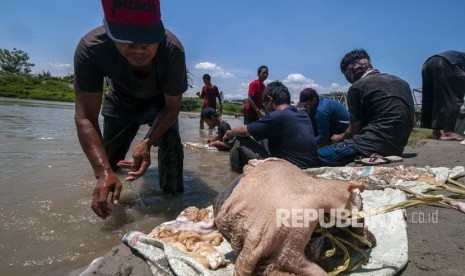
(145, 67)
(213, 119)
(381, 113)
(443, 91)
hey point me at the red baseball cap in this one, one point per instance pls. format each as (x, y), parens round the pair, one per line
(135, 21)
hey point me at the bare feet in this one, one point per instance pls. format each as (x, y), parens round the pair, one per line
(451, 136)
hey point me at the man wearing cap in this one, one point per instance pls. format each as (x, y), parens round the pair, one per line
(144, 66)
(443, 89)
(381, 113)
(328, 116)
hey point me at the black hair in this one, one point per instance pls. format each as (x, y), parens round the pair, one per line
(278, 92)
(208, 113)
(261, 68)
(352, 56)
(206, 76)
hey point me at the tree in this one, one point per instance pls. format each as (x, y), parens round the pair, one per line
(44, 75)
(15, 61)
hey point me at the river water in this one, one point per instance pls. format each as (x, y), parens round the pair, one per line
(46, 223)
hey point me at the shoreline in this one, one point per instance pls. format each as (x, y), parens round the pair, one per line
(436, 246)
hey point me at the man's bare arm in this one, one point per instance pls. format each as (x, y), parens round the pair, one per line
(354, 128)
(87, 109)
(254, 107)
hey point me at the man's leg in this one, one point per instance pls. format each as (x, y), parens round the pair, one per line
(338, 154)
(170, 161)
(454, 89)
(245, 149)
(119, 129)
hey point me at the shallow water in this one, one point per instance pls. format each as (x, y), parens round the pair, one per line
(46, 182)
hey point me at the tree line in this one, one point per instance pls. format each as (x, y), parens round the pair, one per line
(16, 81)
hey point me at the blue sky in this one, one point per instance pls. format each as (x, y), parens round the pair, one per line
(301, 41)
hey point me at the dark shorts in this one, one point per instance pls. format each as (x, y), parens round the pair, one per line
(339, 154)
(121, 126)
(245, 149)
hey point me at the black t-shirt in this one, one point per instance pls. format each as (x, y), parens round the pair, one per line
(290, 136)
(96, 58)
(224, 126)
(384, 105)
(455, 58)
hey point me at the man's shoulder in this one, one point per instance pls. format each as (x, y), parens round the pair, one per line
(96, 38)
(256, 83)
(327, 102)
(173, 41)
(225, 124)
(378, 79)
(288, 112)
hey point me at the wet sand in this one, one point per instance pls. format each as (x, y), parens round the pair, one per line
(436, 247)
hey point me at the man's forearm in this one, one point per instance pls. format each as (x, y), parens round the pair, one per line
(354, 128)
(252, 103)
(91, 142)
(164, 120)
(240, 131)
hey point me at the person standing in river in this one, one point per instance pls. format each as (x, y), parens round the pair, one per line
(209, 95)
(253, 104)
(146, 70)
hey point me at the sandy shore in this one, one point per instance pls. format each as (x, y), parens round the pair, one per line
(436, 247)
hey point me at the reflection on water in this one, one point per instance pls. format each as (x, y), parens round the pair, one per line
(46, 182)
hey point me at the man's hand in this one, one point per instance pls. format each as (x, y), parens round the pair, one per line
(141, 161)
(106, 183)
(337, 138)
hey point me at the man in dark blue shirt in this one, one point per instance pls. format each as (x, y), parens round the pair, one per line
(289, 133)
(328, 116)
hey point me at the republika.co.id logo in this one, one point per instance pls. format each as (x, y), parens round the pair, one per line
(306, 217)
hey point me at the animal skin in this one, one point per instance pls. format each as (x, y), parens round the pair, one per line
(246, 214)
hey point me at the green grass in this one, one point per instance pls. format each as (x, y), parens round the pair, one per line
(31, 87)
(419, 134)
(26, 86)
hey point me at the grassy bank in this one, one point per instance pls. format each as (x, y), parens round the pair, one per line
(26, 86)
(419, 134)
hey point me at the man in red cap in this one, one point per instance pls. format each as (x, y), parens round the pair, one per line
(145, 69)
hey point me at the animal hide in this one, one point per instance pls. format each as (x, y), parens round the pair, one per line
(247, 214)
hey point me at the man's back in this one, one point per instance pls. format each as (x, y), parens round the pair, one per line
(332, 118)
(383, 104)
(290, 136)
